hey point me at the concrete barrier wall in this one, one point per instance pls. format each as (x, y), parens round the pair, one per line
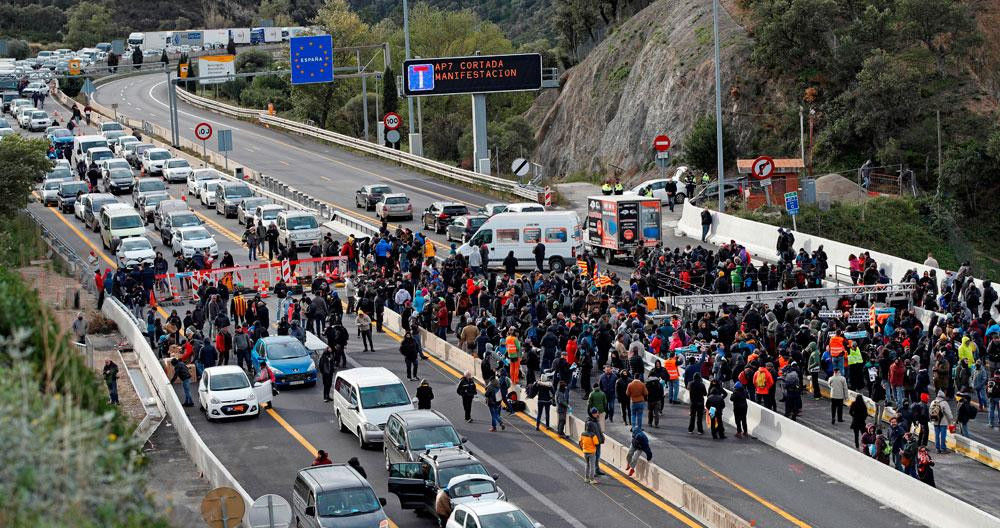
(760, 240)
(206, 461)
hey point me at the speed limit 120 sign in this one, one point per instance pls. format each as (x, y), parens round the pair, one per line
(203, 131)
(392, 121)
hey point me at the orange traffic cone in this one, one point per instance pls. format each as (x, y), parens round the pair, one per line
(152, 299)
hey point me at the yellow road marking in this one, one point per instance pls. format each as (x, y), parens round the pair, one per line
(788, 516)
(291, 430)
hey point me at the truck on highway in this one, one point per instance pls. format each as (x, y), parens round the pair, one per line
(261, 35)
(620, 226)
(136, 40)
(189, 38)
(215, 37)
(240, 35)
(289, 32)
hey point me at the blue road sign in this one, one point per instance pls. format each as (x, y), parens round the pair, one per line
(312, 59)
(225, 140)
(792, 202)
(88, 87)
(420, 77)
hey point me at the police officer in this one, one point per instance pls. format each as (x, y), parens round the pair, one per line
(606, 188)
(619, 188)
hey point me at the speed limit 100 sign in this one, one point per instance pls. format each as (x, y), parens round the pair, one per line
(392, 121)
(203, 131)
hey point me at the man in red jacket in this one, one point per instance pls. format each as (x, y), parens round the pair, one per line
(762, 383)
(897, 375)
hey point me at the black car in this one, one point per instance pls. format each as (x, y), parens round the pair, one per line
(369, 195)
(440, 214)
(68, 193)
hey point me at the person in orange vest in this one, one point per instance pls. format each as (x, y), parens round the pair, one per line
(837, 349)
(673, 378)
(762, 383)
(513, 349)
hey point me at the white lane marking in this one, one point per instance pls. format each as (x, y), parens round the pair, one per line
(179, 111)
(523, 484)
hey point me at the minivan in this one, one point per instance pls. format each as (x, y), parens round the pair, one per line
(297, 227)
(363, 400)
(335, 495)
(83, 144)
(119, 221)
(409, 433)
(228, 197)
(509, 232)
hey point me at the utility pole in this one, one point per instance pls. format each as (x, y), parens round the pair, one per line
(937, 194)
(802, 134)
(416, 142)
(718, 109)
(364, 92)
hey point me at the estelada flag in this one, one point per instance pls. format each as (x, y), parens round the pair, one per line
(582, 264)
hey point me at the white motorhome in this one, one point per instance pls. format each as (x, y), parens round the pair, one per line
(519, 233)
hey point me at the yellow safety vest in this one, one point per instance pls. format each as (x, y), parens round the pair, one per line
(606, 188)
(854, 356)
(619, 187)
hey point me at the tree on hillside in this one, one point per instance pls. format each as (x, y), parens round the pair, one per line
(253, 61)
(18, 49)
(390, 95)
(791, 33)
(700, 146)
(278, 11)
(24, 162)
(944, 27)
(88, 23)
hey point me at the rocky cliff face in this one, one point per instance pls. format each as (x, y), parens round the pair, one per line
(654, 75)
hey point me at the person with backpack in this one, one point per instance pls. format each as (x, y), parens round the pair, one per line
(763, 381)
(542, 391)
(640, 445)
(941, 416)
(590, 443)
(883, 448)
(716, 403)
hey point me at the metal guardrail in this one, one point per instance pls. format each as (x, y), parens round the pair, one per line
(493, 183)
(76, 266)
(713, 301)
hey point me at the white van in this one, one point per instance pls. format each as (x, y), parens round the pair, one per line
(83, 144)
(521, 232)
(363, 400)
(119, 221)
(297, 227)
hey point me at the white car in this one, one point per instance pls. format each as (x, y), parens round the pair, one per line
(24, 115)
(176, 170)
(245, 211)
(226, 392)
(394, 205)
(134, 251)
(199, 175)
(109, 165)
(36, 87)
(491, 209)
(39, 120)
(191, 240)
(112, 136)
(78, 208)
(122, 142)
(153, 160)
(206, 191)
(490, 513)
(267, 214)
(49, 190)
(16, 105)
(107, 126)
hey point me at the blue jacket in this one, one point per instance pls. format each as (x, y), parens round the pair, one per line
(641, 442)
(382, 248)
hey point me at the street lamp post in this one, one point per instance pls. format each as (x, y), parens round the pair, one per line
(718, 109)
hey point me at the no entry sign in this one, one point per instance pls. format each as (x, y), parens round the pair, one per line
(661, 143)
(203, 131)
(762, 168)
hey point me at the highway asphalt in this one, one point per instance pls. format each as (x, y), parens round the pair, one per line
(756, 481)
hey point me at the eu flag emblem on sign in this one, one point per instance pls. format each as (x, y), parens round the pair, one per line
(312, 59)
(420, 77)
